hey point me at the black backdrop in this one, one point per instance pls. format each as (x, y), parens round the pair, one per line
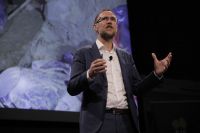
(162, 27)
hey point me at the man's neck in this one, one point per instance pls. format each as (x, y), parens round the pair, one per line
(107, 43)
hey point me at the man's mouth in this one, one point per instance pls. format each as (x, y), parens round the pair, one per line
(109, 27)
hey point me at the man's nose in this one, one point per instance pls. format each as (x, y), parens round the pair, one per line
(110, 20)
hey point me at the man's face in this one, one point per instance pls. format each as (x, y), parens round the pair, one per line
(106, 25)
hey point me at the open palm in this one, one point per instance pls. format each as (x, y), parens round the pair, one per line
(161, 66)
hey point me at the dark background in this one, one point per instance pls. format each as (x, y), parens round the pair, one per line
(163, 27)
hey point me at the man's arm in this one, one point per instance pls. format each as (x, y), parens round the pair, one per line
(78, 80)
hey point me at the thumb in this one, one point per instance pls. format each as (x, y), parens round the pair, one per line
(154, 56)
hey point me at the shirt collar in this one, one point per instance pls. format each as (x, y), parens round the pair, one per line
(101, 46)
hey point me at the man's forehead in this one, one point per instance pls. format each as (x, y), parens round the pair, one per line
(107, 13)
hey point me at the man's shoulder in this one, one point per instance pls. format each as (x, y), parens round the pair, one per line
(85, 48)
(123, 51)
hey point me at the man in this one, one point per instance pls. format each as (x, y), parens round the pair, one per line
(108, 78)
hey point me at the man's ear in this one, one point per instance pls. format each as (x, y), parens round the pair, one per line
(95, 27)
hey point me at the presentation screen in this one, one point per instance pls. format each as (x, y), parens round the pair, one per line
(38, 39)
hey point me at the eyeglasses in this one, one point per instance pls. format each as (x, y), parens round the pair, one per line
(114, 19)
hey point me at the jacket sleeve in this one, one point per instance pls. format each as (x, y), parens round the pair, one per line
(78, 80)
(145, 84)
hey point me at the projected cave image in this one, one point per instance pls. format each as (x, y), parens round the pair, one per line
(37, 41)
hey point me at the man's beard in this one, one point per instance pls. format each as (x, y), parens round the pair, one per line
(106, 36)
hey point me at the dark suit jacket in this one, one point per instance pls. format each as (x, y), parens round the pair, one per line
(95, 91)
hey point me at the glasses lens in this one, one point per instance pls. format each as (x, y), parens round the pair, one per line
(106, 19)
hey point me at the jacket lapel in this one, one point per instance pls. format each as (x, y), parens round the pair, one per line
(123, 66)
(122, 63)
(95, 54)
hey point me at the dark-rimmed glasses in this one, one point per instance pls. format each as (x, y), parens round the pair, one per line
(114, 19)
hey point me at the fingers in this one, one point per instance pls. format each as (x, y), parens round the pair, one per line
(154, 56)
(161, 66)
(168, 59)
(98, 61)
(97, 66)
(99, 69)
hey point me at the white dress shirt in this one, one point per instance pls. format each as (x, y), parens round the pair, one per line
(116, 96)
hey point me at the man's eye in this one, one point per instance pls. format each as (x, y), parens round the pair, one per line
(105, 18)
(113, 19)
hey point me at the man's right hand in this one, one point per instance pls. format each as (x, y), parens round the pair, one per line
(97, 66)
